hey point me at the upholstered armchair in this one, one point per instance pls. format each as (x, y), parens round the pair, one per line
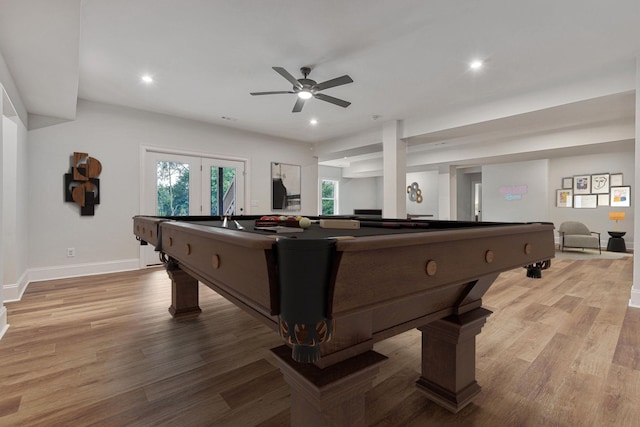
(575, 234)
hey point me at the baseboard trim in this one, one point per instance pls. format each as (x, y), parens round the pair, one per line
(635, 298)
(13, 292)
(3, 321)
(76, 270)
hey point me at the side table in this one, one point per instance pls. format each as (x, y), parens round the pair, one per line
(616, 242)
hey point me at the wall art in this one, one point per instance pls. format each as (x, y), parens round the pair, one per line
(81, 184)
(616, 180)
(600, 183)
(285, 187)
(564, 198)
(582, 184)
(585, 201)
(620, 197)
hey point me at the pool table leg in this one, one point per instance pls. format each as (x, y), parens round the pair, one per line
(449, 359)
(331, 396)
(184, 294)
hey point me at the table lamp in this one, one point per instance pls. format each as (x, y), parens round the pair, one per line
(616, 216)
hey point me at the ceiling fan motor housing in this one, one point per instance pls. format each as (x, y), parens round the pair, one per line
(307, 84)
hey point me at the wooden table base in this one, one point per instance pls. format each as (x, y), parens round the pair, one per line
(449, 359)
(184, 294)
(333, 396)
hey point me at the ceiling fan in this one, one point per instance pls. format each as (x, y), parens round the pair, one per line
(306, 88)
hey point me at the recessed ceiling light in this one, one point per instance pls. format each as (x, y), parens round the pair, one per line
(146, 78)
(313, 121)
(476, 64)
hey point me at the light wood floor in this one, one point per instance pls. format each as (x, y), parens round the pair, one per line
(103, 350)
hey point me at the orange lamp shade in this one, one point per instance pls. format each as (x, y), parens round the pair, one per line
(615, 216)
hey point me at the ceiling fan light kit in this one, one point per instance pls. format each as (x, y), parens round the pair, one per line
(306, 88)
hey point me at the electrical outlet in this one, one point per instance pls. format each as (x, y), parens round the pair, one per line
(71, 252)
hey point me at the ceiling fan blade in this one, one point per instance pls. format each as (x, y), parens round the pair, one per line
(338, 81)
(332, 100)
(271, 93)
(284, 73)
(298, 107)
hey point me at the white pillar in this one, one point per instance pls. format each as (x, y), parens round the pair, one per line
(444, 194)
(3, 310)
(394, 155)
(635, 290)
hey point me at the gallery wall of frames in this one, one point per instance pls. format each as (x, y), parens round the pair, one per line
(593, 191)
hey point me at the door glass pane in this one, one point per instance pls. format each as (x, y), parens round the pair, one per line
(328, 207)
(223, 191)
(327, 189)
(173, 188)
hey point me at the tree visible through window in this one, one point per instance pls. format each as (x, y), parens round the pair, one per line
(173, 188)
(222, 179)
(329, 197)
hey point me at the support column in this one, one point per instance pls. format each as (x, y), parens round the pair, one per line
(449, 359)
(394, 156)
(634, 301)
(444, 194)
(333, 396)
(184, 293)
(3, 310)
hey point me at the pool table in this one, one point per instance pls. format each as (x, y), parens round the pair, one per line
(332, 293)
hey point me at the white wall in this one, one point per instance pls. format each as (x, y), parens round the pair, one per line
(3, 310)
(114, 135)
(13, 206)
(465, 177)
(515, 191)
(360, 193)
(543, 178)
(429, 186)
(9, 199)
(596, 219)
(10, 91)
(354, 193)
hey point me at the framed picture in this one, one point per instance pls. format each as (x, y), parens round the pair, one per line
(582, 184)
(564, 198)
(285, 187)
(600, 183)
(567, 183)
(585, 201)
(616, 180)
(620, 197)
(603, 200)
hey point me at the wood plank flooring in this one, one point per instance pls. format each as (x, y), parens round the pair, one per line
(104, 351)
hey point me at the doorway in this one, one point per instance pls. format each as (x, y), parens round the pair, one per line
(181, 185)
(476, 202)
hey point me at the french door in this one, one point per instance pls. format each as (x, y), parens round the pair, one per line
(178, 185)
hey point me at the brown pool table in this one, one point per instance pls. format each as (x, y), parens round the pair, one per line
(333, 293)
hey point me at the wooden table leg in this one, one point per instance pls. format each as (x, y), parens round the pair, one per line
(333, 396)
(184, 294)
(449, 359)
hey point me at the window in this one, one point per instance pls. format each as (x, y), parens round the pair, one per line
(329, 197)
(173, 188)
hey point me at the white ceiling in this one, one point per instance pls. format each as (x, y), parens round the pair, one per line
(406, 57)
